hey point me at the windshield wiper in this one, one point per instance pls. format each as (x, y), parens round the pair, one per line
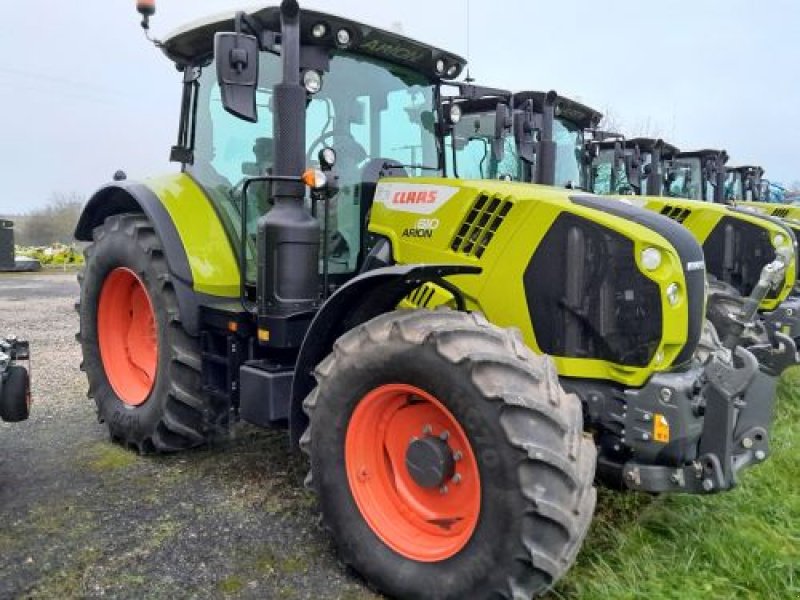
(387, 165)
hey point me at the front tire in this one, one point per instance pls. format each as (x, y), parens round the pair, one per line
(144, 369)
(463, 388)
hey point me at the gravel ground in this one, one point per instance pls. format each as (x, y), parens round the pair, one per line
(81, 517)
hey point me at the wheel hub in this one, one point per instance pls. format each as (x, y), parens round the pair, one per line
(430, 461)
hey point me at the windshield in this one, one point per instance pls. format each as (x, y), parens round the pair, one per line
(473, 135)
(366, 110)
(569, 149)
(733, 186)
(472, 139)
(684, 179)
(609, 175)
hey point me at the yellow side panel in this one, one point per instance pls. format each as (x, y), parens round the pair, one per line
(211, 257)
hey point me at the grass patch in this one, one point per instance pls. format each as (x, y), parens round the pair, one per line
(741, 544)
(104, 456)
(230, 585)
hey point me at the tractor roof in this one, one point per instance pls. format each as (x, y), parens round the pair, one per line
(645, 145)
(194, 43)
(746, 168)
(581, 115)
(703, 153)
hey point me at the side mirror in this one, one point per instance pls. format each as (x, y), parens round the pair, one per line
(502, 124)
(237, 73)
(524, 133)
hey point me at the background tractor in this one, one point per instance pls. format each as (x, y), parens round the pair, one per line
(749, 272)
(263, 281)
(15, 391)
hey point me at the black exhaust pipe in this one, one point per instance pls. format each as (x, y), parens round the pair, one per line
(288, 235)
(546, 151)
(655, 178)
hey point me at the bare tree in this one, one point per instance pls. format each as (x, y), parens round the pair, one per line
(55, 223)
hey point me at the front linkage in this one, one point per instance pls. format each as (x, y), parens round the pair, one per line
(769, 336)
(726, 423)
(14, 380)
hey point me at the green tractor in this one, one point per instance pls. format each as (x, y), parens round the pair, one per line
(749, 257)
(266, 282)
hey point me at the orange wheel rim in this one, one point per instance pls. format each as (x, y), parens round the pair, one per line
(429, 522)
(126, 331)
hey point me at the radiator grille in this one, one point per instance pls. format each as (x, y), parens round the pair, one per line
(482, 223)
(676, 213)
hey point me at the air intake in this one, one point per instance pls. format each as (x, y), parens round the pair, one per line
(482, 223)
(676, 213)
(780, 212)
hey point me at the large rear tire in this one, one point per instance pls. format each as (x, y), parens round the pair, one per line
(402, 395)
(144, 370)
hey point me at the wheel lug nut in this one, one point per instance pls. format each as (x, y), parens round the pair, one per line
(457, 456)
(444, 436)
(457, 478)
(443, 490)
(427, 429)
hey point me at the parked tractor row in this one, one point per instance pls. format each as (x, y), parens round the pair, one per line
(414, 276)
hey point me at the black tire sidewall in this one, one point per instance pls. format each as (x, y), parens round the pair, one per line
(119, 248)
(501, 504)
(14, 394)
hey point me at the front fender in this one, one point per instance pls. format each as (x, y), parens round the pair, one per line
(370, 294)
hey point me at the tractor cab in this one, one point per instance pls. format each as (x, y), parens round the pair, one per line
(368, 101)
(543, 142)
(629, 166)
(745, 184)
(698, 175)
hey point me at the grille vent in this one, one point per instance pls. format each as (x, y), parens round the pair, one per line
(676, 213)
(780, 212)
(422, 296)
(482, 223)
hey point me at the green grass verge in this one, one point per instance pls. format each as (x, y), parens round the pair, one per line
(742, 544)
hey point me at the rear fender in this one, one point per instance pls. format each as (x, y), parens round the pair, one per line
(132, 197)
(361, 299)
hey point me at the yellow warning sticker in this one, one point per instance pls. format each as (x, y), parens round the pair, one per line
(660, 428)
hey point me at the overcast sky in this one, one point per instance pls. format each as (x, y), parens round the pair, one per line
(83, 94)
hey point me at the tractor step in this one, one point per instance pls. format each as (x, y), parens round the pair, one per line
(264, 393)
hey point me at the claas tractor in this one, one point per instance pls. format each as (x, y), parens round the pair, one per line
(562, 147)
(287, 276)
(15, 390)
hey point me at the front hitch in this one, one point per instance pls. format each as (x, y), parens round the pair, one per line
(737, 401)
(771, 337)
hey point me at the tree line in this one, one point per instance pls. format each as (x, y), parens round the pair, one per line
(53, 224)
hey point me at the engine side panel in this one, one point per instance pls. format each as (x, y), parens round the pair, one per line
(499, 226)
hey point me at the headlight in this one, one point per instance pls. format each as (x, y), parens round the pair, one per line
(319, 30)
(312, 81)
(673, 294)
(651, 258)
(455, 113)
(440, 66)
(343, 37)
